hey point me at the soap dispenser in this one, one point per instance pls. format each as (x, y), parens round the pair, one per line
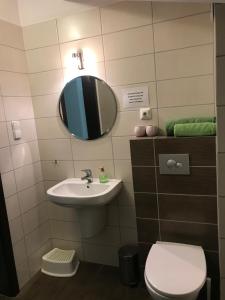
(103, 178)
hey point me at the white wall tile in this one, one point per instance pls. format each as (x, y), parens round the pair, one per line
(24, 154)
(185, 91)
(126, 195)
(26, 176)
(5, 160)
(16, 229)
(221, 128)
(101, 254)
(4, 140)
(12, 59)
(61, 213)
(14, 84)
(19, 250)
(128, 236)
(46, 106)
(109, 236)
(127, 216)
(184, 32)
(123, 170)
(94, 165)
(43, 59)
(221, 172)
(31, 197)
(9, 184)
(222, 258)
(11, 35)
(18, 108)
(184, 63)
(2, 112)
(163, 11)
(171, 113)
(79, 26)
(125, 15)
(131, 70)
(92, 49)
(13, 207)
(128, 43)
(59, 171)
(28, 129)
(46, 82)
(66, 230)
(92, 150)
(50, 128)
(40, 35)
(220, 77)
(121, 147)
(59, 149)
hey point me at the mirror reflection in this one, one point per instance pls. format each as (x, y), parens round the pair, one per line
(87, 107)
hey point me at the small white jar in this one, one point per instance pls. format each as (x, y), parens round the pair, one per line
(140, 130)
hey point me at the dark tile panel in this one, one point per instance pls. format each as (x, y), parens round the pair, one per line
(142, 152)
(201, 209)
(204, 235)
(148, 230)
(201, 181)
(202, 150)
(212, 260)
(144, 179)
(144, 249)
(146, 205)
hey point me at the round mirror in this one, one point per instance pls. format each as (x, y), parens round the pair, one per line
(87, 107)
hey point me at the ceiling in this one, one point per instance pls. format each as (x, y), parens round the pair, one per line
(107, 2)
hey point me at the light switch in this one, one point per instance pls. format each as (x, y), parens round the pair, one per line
(16, 129)
(145, 113)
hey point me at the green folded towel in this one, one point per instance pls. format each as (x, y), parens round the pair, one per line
(195, 129)
(170, 125)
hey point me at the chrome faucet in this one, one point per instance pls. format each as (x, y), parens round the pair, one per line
(88, 175)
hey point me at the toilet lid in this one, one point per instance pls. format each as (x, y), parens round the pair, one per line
(175, 269)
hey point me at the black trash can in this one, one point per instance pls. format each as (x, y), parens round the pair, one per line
(129, 265)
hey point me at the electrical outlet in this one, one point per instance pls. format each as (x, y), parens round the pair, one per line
(145, 113)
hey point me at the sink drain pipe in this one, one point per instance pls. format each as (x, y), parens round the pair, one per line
(208, 287)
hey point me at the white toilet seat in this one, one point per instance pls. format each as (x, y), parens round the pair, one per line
(175, 270)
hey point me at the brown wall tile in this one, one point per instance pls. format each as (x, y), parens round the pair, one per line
(204, 235)
(202, 150)
(144, 179)
(212, 261)
(201, 181)
(144, 249)
(188, 208)
(146, 205)
(142, 152)
(148, 230)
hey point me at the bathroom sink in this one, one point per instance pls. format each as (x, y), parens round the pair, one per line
(77, 193)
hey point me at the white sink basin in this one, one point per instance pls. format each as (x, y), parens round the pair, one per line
(77, 193)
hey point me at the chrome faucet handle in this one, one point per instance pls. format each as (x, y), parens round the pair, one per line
(88, 172)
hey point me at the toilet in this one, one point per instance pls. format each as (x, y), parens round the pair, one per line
(175, 271)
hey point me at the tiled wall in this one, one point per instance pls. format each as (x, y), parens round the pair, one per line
(168, 47)
(220, 101)
(20, 165)
(177, 208)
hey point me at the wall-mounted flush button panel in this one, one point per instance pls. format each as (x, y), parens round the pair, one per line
(174, 164)
(145, 113)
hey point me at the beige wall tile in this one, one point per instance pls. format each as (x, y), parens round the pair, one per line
(40, 35)
(17, 108)
(46, 106)
(163, 11)
(4, 140)
(16, 229)
(26, 177)
(168, 114)
(186, 62)
(23, 273)
(28, 129)
(24, 154)
(59, 149)
(127, 120)
(51, 128)
(92, 49)
(185, 91)
(11, 35)
(125, 15)
(131, 70)
(46, 82)
(92, 150)
(12, 59)
(9, 184)
(14, 84)
(94, 165)
(107, 255)
(118, 90)
(126, 196)
(123, 170)
(184, 32)
(127, 216)
(2, 112)
(121, 147)
(128, 43)
(66, 230)
(13, 207)
(59, 171)
(61, 213)
(109, 236)
(31, 197)
(79, 26)
(19, 250)
(43, 59)
(5, 160)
